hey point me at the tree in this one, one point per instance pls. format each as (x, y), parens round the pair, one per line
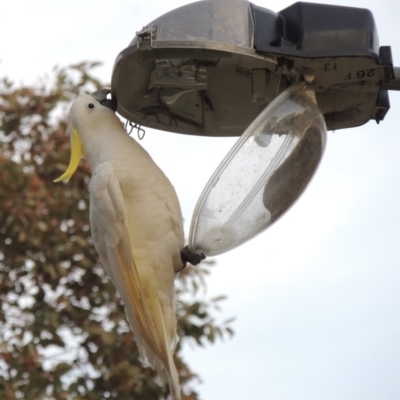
(63, 332)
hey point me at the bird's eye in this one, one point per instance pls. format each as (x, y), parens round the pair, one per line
(91, 105)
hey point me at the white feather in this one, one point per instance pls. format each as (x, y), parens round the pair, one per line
(137, 230)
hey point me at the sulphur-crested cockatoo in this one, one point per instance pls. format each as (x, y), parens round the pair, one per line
(136, 224)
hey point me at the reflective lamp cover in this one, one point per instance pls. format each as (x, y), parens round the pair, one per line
(263, 174)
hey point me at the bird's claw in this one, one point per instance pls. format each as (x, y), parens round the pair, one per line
(102, 97)
(188, 256)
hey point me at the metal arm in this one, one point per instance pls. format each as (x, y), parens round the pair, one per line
(393, 84)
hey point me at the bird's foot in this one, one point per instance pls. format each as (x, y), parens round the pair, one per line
(188, 256)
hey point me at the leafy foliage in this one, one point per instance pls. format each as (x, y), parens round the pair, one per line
(63, 332)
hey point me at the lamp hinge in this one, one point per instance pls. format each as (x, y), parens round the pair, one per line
(146, 37)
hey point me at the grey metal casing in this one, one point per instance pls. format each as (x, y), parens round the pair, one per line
(210, 67)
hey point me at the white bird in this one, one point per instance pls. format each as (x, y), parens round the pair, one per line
(137, 226)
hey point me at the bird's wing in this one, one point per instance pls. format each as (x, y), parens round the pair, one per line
(112, 242)
(172, 217)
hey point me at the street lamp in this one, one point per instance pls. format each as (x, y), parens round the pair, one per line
(278, 80)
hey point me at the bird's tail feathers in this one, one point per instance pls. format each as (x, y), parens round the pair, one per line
(167, 357)
(147, 324)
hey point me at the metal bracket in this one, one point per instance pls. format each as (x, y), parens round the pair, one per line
(145, 37)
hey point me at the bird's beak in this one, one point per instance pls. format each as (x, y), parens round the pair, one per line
(101, 97)
(76, 155)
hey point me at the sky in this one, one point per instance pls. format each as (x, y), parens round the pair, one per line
(315, 296)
